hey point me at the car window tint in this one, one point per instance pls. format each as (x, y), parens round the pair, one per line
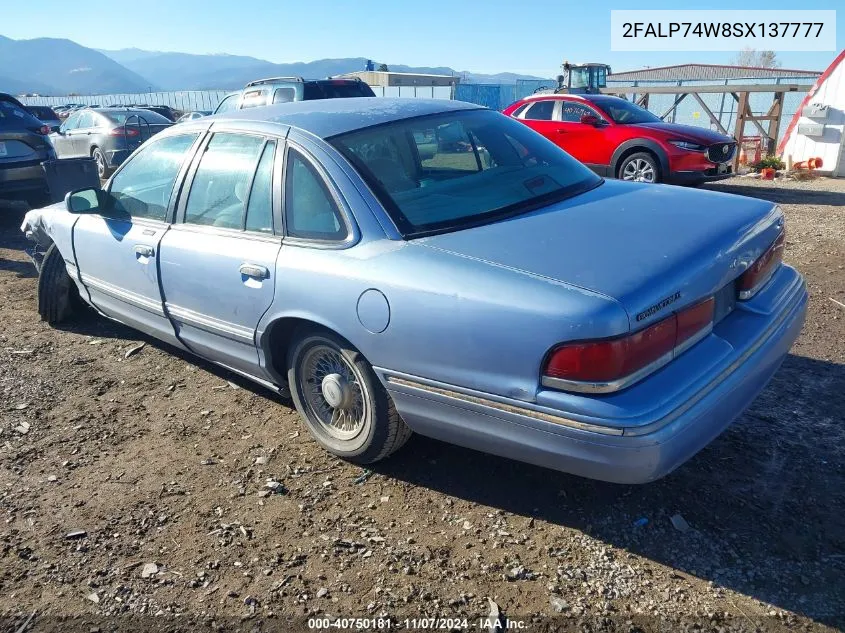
(310, 211)
(259, 212)
(284, 95)
(572, 112)
(219, 189)
(142, 187)
(541, 111)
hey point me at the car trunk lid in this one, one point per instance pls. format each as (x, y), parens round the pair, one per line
(652, 248)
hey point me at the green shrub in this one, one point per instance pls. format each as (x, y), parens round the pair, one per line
(769, 161)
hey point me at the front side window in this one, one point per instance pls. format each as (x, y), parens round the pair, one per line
(310, 211)
(219, 189)
(71, 123)
(86, 120)
(625, 112)
(495, 168)
(142, 187)
(541, 111)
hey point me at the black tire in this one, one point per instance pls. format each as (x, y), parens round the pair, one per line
(382, 431)
(57, 294)
(103, 170)
(641, 163)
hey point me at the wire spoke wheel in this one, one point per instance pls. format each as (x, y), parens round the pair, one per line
(638, 170)
(333, 392)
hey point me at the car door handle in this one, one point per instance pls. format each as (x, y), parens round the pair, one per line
(559, 131)
(255, 271)
(144, 250)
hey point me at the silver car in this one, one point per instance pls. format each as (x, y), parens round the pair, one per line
(108, 135)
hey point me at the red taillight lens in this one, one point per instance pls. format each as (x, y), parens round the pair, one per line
(124, 131)
(750, 282)
(45, 130)
(606, 361)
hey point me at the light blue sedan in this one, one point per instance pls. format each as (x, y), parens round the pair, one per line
(436, 267)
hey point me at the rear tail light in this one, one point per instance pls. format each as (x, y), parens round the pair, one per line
(753, 279)
(124, 131)
(45, 130)
(608, 365)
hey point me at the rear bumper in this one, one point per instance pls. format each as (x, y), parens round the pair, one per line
(22, 180)
(544, 436)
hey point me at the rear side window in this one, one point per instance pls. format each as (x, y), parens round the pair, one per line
(259, 212)
(310, 211)
(520, 109)
(541, 111)
(219, 190)
(142, 187)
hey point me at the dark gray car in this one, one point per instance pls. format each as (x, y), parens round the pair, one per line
(23, 147)
(108, 135)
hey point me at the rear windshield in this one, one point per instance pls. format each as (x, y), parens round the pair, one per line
(43, 112)
(336, 89)
(449, 171)
(153, 118)
(14, 117)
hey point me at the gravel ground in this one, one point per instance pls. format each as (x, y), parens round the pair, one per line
(136, 485)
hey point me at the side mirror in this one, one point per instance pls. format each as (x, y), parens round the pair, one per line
(591, 119)
(89, 200)
(55, 128)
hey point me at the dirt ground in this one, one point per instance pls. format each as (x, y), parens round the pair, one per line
(135, 487)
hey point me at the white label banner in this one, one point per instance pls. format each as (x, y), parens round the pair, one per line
(722, 30)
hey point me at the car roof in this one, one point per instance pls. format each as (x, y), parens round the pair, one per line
(329, 117)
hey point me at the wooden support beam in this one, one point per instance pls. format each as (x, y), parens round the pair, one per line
(705, 89)
(774, 123)
(739, 127)
(713, 119)
(678, 99)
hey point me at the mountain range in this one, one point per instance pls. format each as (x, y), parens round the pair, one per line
(60, 67)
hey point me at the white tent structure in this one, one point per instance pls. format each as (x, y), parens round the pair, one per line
(818, 128)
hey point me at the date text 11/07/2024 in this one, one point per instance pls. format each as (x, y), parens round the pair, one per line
(484, 623)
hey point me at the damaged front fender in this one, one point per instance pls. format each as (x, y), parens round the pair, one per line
(48, 226)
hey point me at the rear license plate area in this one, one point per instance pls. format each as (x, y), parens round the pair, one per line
(725, 301)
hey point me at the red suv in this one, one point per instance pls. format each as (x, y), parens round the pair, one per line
(617, 138)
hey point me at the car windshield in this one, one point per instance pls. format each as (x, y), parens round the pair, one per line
(133, 116)
(622, 111)
(336, 89)
(442, 173)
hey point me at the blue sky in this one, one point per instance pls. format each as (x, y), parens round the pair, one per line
(478, 35)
